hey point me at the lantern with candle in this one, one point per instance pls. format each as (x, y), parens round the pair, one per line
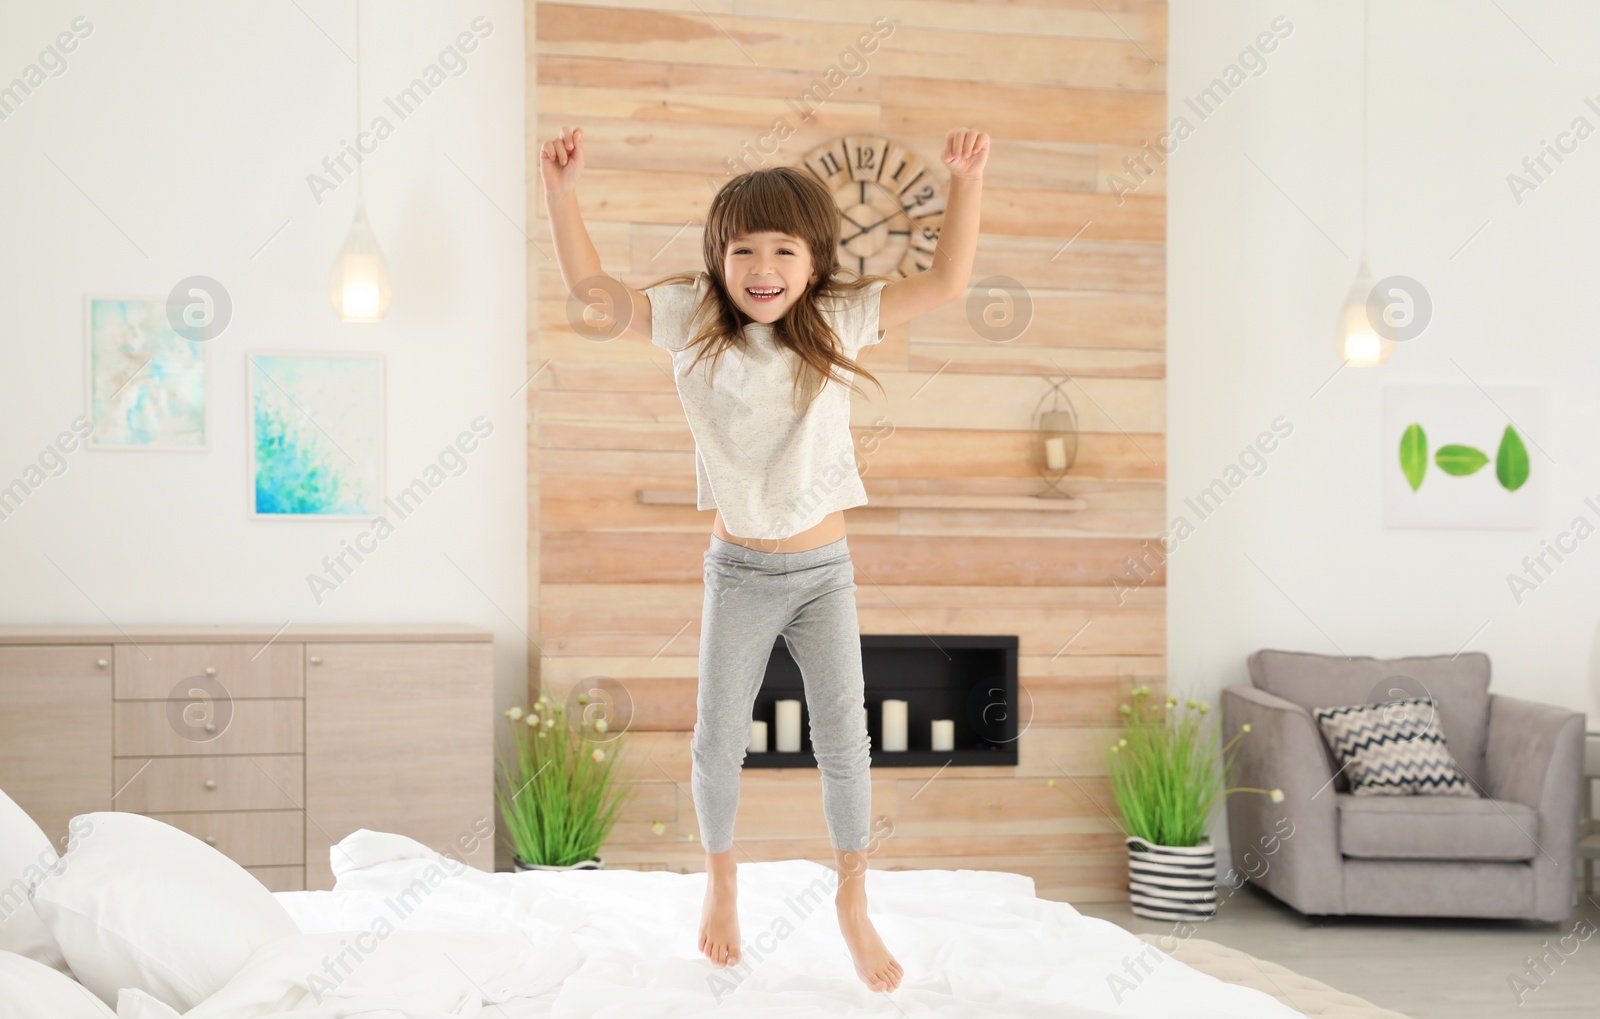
(1055, 440)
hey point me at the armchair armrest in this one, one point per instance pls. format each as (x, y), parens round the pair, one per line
(1283, 750)
(1535, 758)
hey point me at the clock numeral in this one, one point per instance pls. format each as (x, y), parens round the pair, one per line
(830, 163)
(866, 159)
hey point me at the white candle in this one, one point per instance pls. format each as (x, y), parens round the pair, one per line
(788, 718)
(1055, 453)
(944, 734)
(894, 725)
(758, 737)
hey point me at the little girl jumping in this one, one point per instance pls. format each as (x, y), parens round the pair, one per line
(774, 457)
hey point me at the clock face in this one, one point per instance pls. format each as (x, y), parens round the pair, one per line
(891, 204)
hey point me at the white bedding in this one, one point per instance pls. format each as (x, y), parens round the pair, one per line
(620, 944)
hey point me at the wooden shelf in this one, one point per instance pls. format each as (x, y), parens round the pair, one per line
(678, 497)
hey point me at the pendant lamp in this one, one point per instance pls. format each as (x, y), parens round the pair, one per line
(359, 285)
(1360, 343)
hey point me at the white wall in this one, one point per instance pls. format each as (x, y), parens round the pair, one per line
(190, 129)
(1298, 556)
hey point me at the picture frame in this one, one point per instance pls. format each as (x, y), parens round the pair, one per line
(162, 402)
(315, 427)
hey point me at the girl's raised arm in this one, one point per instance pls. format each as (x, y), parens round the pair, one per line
(560, 163)
(965, 153)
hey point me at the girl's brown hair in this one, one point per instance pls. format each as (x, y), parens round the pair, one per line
(789, 200)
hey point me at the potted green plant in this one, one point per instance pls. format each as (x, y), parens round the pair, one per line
(558, 790)
(1167, 772)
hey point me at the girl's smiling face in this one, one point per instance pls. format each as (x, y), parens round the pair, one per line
(767, 272)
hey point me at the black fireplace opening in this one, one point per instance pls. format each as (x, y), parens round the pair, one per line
(971, 680)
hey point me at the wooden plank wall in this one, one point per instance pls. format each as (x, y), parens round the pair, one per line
(666, 91)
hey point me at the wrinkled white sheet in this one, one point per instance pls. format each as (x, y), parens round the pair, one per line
(378, 973)
(974, 944)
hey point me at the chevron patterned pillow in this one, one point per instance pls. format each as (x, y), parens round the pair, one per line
(1393, 749)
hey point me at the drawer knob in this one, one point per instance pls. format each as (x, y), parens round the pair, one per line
(211, 783)
(101, 663)
(316, 659)
(211, 727)
(211, 840)
(211, 670)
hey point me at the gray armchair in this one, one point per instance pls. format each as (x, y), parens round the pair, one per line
(1509, 853)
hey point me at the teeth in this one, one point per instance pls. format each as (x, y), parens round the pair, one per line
(765, 291)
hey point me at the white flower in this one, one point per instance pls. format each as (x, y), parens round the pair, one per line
(1277, 795)
(549, 721)
(1245, 727)
(599, 725)
(598, 754)
(513, 713)
(657, 827)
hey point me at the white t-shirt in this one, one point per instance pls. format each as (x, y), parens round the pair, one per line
(771, 471)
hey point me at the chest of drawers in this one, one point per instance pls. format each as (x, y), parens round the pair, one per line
(271, 744)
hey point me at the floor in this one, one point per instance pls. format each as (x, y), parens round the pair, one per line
(1426, 969)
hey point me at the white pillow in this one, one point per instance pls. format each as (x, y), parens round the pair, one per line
(26, 855)
(32, 990)
(138, 903)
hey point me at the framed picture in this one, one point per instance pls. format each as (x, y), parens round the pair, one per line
(147, 388)
(316, 434)
(1463, 457)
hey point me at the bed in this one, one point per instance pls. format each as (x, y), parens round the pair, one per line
(621, 944)
(139, 920)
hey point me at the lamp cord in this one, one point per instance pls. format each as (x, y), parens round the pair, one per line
(1365, 6)
(358, 103)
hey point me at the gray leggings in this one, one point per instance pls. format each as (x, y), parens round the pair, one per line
(810, 598)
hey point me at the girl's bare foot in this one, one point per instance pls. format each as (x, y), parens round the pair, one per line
(874, 965)
(719, 915)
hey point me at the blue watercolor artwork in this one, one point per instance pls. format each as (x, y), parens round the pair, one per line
(316, 434)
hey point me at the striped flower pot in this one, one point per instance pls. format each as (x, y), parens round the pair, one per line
(1172, 882)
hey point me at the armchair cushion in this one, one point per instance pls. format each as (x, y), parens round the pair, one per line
(1393, 749)
(1458, 684)
(1436, 828)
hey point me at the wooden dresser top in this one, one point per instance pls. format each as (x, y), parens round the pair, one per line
(179, 633)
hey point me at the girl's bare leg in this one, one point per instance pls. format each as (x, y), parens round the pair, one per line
(874, 965)
(719, 915)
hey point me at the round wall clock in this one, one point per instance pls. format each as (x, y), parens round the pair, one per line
(891, 203)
